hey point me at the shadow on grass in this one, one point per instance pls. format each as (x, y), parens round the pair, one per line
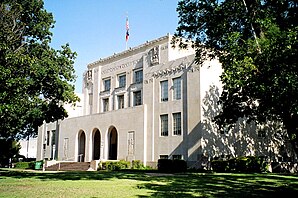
(184, 185)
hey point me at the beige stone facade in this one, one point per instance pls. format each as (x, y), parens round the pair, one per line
(147, 103)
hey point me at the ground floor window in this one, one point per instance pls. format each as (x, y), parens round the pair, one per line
(177, 157)
(163, 157)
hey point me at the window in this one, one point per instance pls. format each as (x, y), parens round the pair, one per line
(137, 97)
(105, 104)
(48, 138)
(90, 99)
(121, 102)
(53, 136)
(164, 125)
(177, 123)
(138, 76)
(177, 157)
(122, 80)
(164, 91)
(163, 157)
(177, 88)
(107, 84)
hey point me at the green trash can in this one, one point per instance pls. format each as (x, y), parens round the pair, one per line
(38, 165)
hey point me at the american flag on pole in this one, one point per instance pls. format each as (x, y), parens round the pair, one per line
(127, 30)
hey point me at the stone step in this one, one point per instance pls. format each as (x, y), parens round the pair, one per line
(69, 166)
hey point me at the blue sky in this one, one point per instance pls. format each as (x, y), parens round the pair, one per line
(96, 28)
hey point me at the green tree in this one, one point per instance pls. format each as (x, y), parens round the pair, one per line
(256, 43)
(35, 79)
(8, 149)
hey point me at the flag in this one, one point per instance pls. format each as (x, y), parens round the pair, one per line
(127, 30)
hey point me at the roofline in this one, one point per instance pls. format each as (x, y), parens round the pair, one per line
(115, 55)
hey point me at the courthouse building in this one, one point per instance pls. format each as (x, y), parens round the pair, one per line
(150, 102)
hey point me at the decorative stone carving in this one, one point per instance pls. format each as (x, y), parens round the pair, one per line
(154, 58)
(89, 75)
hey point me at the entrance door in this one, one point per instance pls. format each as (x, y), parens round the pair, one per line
(82, 142)
(113, 144)
(96, 145)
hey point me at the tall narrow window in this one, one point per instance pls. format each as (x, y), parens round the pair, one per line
(53, 136)
(164, 91)
(177, 88)
(138, 76)
(120, 102)
(137, 97)
(177, 123)
(90, 98)
(107, 84)
(122, 80)
(105, 104)
(164, 125)
(48, 138)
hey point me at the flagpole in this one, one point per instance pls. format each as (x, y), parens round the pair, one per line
(127, 31)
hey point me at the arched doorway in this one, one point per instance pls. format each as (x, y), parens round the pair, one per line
(96, 144)
(81, 149)
(113, 144)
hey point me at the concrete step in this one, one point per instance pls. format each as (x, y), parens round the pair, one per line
(69, 166)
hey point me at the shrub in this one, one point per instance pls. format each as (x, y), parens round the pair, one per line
(168, 165)
(164, 165)
(25, 165)
(137, 164)
(240, 164)
(219, 165)
(179, 166)
(112, 165)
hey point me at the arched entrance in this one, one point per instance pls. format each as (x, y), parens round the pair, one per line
(113, 144)
(96, 144)
(81, 148)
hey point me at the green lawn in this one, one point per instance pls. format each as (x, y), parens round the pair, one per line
(141, 184)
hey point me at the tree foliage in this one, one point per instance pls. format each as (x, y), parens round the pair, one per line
(8, 149)
(256, 43)
(35, 79)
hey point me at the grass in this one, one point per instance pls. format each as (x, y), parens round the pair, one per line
(140, 184)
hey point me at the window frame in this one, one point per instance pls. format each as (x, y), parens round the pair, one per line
(106, 87)
(121, 83)
(164, 91)
(120, 105)
(105, 106)
(138, 78)
(177, 126)
(164, 125)
(177, 88)
(134, 98)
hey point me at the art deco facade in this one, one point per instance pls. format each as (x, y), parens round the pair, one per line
(146, 103)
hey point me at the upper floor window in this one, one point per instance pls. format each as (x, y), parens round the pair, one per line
(138, 76)
(137, 97)
(164, 125)
(105, 104)
(164, 91)
(120, 101)
(177, 123)
(48, 138)
(177, 88)
(107, 84)
(122, 80)
(53, 137)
